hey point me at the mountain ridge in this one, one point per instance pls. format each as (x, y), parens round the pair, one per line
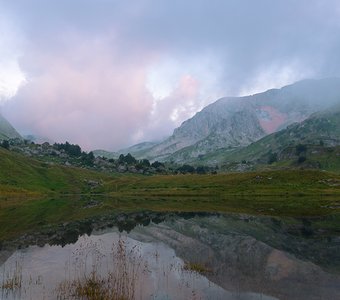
(7, 131)
(309, 143)
(239, 121)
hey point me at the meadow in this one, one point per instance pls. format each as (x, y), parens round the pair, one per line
(36, 194)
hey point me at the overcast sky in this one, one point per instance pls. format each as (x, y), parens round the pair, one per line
(111, 73)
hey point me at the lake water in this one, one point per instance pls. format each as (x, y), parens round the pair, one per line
(196, 257)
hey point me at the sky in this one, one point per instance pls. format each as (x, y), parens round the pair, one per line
(106, 74)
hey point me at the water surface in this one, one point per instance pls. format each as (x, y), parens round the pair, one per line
(241, 257)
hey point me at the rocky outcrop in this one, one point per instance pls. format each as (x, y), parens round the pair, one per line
(316, 138)
(238, 121)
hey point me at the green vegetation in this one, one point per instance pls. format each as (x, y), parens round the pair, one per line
(36, 193)
(4, 144)
(71, 149)
(20, 175)
(289, 193)
(265, 183)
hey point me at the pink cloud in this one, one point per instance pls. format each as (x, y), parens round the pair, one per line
(92, 95)
(182, 103)
(87, 96)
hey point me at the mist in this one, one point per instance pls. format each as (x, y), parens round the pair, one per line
(108, 74)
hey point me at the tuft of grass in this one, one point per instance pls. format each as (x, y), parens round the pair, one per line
(197, 267)
(119, 283)
(90, 287)
(12, 280)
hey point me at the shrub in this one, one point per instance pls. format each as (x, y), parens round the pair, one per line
(300, 149)
(301, 159)
(5, 144)
(272, 158)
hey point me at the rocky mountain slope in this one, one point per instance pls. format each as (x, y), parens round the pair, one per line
(235, 122)
(7, 131)
(138, 150)
(106, 154)
(314, 141)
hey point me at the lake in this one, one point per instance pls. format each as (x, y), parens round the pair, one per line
(181, 256)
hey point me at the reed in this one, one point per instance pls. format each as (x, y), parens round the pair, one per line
(197, 267)
(124, 268)
(12, 280)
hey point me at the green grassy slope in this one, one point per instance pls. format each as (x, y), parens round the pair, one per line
(32, 193)
(270, 183)
(288, 193)
(20, 174)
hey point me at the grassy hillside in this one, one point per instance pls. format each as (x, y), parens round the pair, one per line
(20, 174)
(34, 194)
(23, 175)
(265, 183)
(289, 193)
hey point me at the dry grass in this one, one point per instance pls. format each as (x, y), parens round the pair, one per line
(12, 280)
(125, 268)
(197, 267)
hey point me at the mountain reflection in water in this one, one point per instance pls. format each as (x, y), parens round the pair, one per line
(191, 257)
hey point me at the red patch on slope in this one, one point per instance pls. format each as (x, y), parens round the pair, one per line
(270, 118)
